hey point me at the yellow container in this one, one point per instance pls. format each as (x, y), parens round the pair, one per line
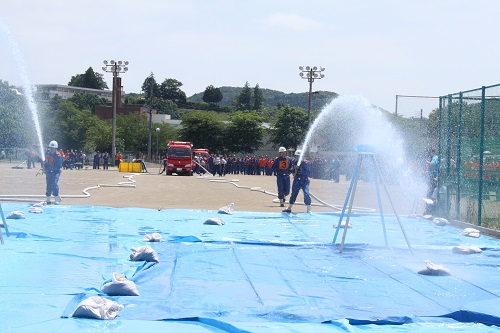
(130, 167)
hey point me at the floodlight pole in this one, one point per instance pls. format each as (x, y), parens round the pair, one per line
(115, 67)
(150, 116)
(311, 74)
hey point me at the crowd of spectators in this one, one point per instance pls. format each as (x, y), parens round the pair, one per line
(221, 165)
(73, 159)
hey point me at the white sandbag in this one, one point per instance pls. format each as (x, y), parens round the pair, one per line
(434, 270)
(154, 237)
(229, 209)
(464, 249)
(15, 215)
(144, 253)
(440, 221)
(96, 307)
(214, 221)
(471, 232)
(342, 225)
(120, 286)
(36, 210)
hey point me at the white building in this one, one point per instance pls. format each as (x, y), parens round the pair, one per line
(49, 91)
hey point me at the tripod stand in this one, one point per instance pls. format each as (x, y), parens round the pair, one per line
(366, 154)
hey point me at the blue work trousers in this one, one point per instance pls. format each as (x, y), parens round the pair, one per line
(283, 182)
(52, 179)
(300, 184)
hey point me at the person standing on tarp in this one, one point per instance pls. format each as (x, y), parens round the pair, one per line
(300, 182)
(52, 168)
(282, 166)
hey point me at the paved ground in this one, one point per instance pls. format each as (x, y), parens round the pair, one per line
(151, 190)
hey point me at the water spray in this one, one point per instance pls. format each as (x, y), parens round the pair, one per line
(26, 84)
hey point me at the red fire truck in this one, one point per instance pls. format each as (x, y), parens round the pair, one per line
(179, 158)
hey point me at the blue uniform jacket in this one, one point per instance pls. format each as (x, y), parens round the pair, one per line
(53, 162)
(303, 171)
(282, 165)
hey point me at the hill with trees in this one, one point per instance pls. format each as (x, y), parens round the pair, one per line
(273, 98)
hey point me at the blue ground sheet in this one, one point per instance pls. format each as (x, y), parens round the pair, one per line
(259, 272)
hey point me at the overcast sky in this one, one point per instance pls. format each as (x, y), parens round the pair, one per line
(375, 49)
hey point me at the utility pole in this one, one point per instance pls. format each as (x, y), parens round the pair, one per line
(311, 74)
(151, 82)
(115, 67)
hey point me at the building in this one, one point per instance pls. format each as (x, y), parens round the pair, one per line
(46, 92)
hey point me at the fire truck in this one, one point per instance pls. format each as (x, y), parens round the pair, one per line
(179, 158)
(201, 151)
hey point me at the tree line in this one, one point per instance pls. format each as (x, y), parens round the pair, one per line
(238, 128)
(74, 125)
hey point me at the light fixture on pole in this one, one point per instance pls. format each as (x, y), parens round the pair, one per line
(151, 83)
(115, 67)
(311, 74)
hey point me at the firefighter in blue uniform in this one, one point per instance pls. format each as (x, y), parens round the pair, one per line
(282, 167)
(52, 168)
(300, 182)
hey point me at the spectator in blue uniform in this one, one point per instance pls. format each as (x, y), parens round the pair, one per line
(282, 167)
(52, 168)
(300, 182)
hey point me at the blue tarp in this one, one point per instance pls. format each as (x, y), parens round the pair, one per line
(258, 272)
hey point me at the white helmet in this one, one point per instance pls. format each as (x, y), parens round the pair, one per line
(298, 152)
(53, 144)
(282, 150)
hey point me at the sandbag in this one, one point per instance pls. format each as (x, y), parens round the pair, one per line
(15, 215)
(434, 270)
(96, 307)
(229, 209)
(214, 221)
(144, 253)
(120, 286)
(36, 210)
(464, 249)
(154, 237)
(471, 232)
(440, 221)
(342, 225)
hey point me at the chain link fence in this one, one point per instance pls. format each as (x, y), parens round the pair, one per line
(469, 151)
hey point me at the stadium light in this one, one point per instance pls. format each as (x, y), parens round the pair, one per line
(115, 67)
(311, 74)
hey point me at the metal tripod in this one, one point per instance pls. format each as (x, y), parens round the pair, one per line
(369, 157)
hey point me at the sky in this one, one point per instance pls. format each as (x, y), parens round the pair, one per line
(374, 49)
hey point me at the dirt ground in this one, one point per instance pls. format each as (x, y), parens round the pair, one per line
(150, 190)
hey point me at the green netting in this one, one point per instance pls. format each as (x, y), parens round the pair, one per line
(469, 149)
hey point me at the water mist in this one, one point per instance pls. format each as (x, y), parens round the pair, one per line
(26, 85)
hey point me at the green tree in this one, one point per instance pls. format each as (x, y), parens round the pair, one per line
(244, 132)
(258, 98)
(133, 131)
(212, 95)
(98, 137)
(16, 124)
(166, 106)
(146, 88)
(204, 129)
(84, 100)
(290, 127)
(89, 79)
(69, 124)
(165, 134)
(244, 98)
(171, 89)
